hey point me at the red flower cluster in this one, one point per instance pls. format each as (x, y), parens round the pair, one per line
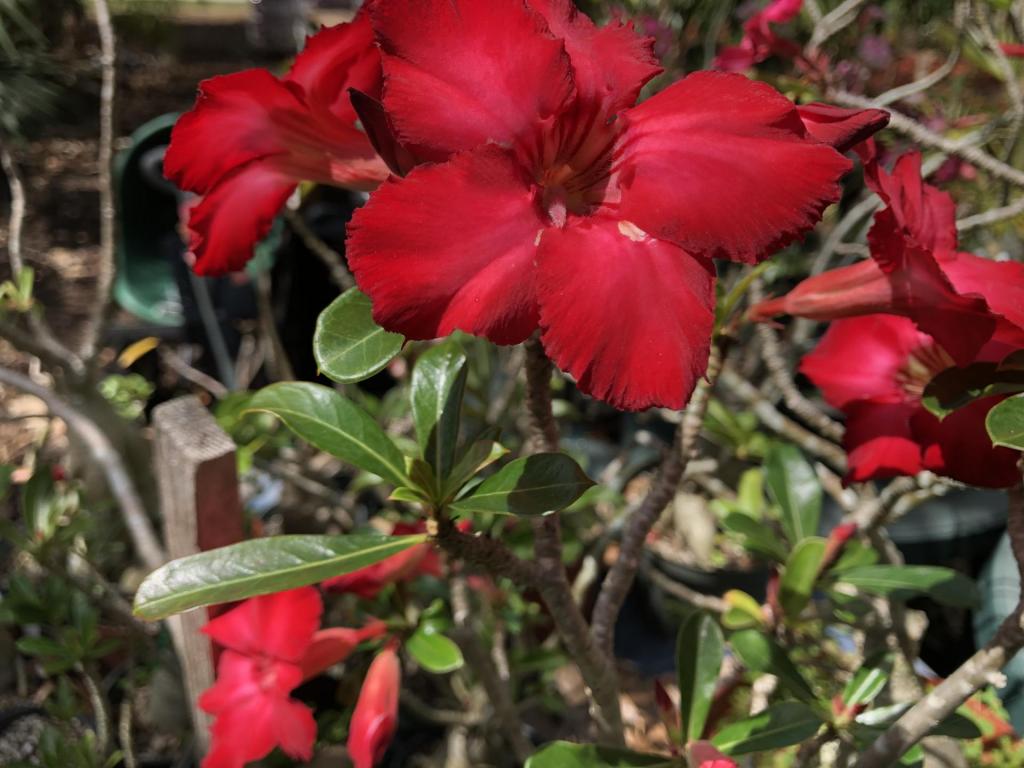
(759, 39)
(916, 308)
(272, 644)
(529, 192)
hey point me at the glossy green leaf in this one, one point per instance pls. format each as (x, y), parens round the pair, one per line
(781, 725)
(761, 654)
(699, 651)
(433, 651)
(347, 344)
(563, 754)
(943, 585)
(865, 685)
(800, 574)
(1005, 423)
(258, 567)
(325, 419)
(756, 535)
(795, 488)
(531, 485)
(438, 384)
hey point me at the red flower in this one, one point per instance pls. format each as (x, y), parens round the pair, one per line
(553, 203)
(417, 560)
(1013, 49)
(271, 645)
(252, 137)
(759, 39)
(875, 369)
(376, 714)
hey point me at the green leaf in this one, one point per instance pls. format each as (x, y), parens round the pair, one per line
(563, 754)
(760, 654)
(475, 457)
(781, 725)
(438, 383)
(433, 651)
(795, 488)
(864, 686)
(901, 582)
(757, 536)
(347, 344)
(258, 567)
(880, 719)
(800, 574)
(699, 651)
(742, 611)
(1005, 423)
(956, 387)
(531, 485)
(325, 419)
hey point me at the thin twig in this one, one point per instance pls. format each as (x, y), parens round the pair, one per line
(778, 369)
(677, 589)
(781, 424)
(963, 148)
(177, 363)
(109, 461)
(41, 343)
(331, 259)
(934, 77)
(99, 711)
(992, 216)
(978, 671)
(834, 22)
(105, 268)
(124, 731)
(620, 578)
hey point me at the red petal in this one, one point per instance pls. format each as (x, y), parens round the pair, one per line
(860, 358)
(294, 729)
(1013, 49)
(334, 645)
(839, 127)
(722, 166)
(1000, 283)
(235, 215)
(879, 441)
(335, 59)
(280, 625)
(629, 316)
(461, 73)
(451, 247)
(238, 678)
(924, 212)
(857, 289)
(610, 64)
(922, 292)
(965, 450)
(230, 126)
(376, 714)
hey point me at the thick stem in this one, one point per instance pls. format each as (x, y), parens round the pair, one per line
(978, 671)
(487, 554)
(622, 574)
(597, 667)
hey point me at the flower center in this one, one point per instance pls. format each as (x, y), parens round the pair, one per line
(923, 365)
(267, 679)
